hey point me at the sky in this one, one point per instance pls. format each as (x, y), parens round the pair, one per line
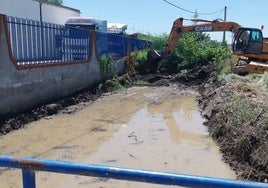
(156, 16)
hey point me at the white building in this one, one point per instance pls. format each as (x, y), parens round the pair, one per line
(33, 9)
(118, 28)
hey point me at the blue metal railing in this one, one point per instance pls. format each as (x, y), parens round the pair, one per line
(35, 42)
(30, 165)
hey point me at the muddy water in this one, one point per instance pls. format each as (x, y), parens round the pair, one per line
(145, 128)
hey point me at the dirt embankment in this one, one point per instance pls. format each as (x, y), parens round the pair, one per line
(237, 119)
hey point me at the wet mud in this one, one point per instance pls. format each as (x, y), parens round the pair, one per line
(151, 128)
(201, 79)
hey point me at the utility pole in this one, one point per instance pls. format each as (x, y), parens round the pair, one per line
(225, 10)
(40, 12)
(195, 17)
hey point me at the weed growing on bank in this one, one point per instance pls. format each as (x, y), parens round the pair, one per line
(106, 66)
(117, 84)
(137, 62)
(264, 80)
(108, 71)
(250, 83)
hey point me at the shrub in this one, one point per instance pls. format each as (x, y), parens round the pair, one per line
(197, 49)
(137, 62)
(116, 84)
(194, 49)
(106, 66)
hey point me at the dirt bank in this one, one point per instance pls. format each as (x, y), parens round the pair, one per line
(236, 115)
(237, 119)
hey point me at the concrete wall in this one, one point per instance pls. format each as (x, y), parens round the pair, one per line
(30, 9)
(23, 89)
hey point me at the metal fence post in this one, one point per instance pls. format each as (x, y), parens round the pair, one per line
(28, 178)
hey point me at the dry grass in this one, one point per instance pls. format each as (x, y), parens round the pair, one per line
(240, 124)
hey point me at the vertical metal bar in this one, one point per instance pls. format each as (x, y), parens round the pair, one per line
(42, 32)
(31, 40)
(28, 178)
(28, 40)
(24, 39)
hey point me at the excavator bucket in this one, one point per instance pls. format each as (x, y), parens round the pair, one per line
(154, 56)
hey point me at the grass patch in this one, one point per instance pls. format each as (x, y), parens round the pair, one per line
(106, 66)
(254, 83)
(264, 80)
(244, 112)
(242, 121)
(116, 84)
(141, 82)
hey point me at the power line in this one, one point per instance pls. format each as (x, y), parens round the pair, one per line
(190, 10)
(220, 13)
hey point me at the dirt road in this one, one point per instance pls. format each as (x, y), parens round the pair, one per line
(154, 128)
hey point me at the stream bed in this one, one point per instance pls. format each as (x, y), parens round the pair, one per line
(149, 128)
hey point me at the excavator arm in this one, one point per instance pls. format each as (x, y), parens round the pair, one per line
(178, 29)
(248, 44)
(206, 26)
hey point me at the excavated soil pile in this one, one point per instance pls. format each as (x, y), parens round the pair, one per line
(242, 137)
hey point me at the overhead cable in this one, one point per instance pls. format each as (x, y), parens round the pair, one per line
(192, 11)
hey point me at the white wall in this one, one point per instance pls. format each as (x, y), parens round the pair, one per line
(31, 9)
(20, 8)
(57, 14)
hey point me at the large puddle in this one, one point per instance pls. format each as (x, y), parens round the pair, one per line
(143, 128)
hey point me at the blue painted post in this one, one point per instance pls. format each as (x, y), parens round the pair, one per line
(28, 178)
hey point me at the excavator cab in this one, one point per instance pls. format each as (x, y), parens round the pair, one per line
(247, 41)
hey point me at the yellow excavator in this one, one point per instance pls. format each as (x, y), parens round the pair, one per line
(248, 43)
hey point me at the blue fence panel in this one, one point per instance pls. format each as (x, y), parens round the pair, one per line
(138, 44)
(116, 45)
(101, 44)
(35, 42)
(110, 44)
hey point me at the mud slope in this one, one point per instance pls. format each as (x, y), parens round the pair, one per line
(237, 118)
